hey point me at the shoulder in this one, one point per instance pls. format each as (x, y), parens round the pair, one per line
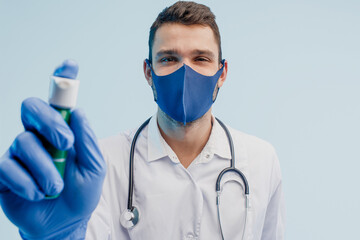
(111, 142)
(114, 143)
(115, 149)
(253, 144)
(262, 160)
(260, 154)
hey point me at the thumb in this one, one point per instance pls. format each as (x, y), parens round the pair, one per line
(87, 150)
(68, 69)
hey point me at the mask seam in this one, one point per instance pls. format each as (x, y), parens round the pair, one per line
(183, 95)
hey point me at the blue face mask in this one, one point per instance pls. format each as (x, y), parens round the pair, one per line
(185, 95)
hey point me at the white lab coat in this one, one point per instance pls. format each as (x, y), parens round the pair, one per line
(180, 204)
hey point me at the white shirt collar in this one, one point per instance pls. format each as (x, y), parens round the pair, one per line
(217, 144)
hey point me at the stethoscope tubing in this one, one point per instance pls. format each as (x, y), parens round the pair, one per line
(131, 164)
(232, 163)
(132, 209)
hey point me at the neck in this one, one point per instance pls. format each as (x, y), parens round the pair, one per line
(186, 141)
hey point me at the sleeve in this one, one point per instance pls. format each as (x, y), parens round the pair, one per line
(274, 224)
(99, 225)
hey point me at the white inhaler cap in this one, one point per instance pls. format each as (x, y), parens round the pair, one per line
(63, 92)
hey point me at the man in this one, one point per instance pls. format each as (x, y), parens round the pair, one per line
(177, 157)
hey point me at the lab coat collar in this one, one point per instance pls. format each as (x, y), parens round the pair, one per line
(157, 147)
(219, 141)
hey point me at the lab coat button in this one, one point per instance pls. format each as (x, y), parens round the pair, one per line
(190, 236)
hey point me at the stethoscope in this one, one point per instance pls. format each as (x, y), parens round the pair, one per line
(130, 217)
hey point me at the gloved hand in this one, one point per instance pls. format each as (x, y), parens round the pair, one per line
(27, 173)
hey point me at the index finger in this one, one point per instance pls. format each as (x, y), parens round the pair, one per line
(37, 115)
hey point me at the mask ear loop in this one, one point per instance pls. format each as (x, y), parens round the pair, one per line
(217, 89)
(152, 81)
(216, 92)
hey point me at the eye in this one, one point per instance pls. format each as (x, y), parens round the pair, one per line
(202, 59)
(168, 59)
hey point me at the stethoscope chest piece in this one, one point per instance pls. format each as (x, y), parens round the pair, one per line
(129, 218)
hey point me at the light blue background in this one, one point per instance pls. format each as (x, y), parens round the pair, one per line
(294, 73)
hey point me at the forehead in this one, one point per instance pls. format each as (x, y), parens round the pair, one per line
(184, 38)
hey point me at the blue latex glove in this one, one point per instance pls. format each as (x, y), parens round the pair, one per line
(27, 173)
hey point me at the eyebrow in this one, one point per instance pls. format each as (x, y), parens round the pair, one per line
(194, 52)
(166, 52)
(203, 52)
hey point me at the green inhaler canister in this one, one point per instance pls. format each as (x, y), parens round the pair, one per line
(62, 97)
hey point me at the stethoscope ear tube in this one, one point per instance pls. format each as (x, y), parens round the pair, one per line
(232, 163)
(222, 173)
(230, 169)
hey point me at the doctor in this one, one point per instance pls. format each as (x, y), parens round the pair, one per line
(177, 157)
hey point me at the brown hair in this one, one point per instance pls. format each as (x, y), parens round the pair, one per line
(187, 13)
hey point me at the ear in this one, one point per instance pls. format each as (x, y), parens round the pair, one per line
(147, 73)
(223, 75)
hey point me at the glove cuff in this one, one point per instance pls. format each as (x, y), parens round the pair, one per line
(76, 231)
